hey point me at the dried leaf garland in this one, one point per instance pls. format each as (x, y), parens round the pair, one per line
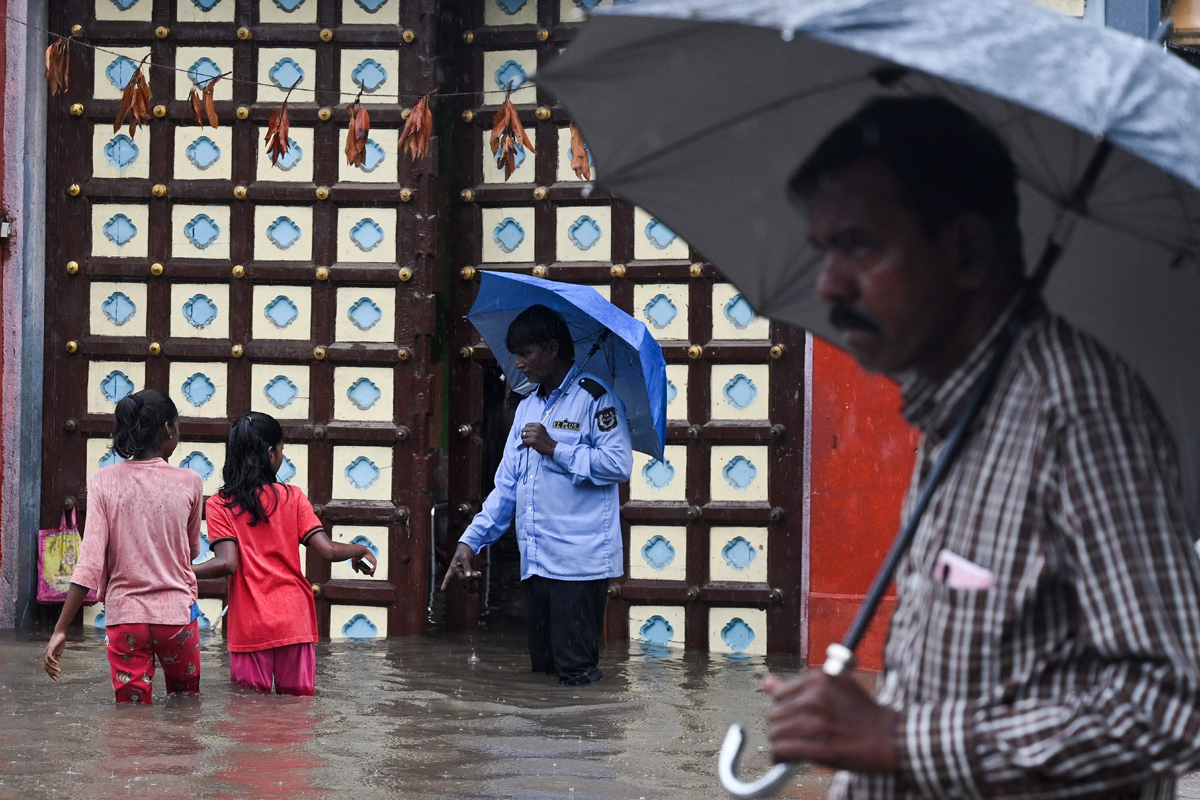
(135, 102)
(418, 129)
(58, 56)
(507, 134)
(194, 102)
(580, 162)
(356, 134)
(202, 105)
(277, 133)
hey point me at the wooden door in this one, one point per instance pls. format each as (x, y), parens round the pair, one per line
(713, 534)
(180, 258)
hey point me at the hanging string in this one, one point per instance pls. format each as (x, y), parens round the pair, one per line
(248, 82)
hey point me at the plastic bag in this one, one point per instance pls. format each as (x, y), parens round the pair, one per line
(58, 552)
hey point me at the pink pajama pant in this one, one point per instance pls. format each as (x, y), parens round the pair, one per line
(292, 668)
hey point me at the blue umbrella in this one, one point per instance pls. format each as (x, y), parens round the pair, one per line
(609, 344)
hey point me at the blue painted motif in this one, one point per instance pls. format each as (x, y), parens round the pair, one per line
(286, 471)
(200, 311)
(280, 391)
(672, 392)
(657, 630)
(99, 621)
(363, 393)
(289, 5)
(286, 73)
(739, 312)
(740, 473)
(202, 622)
(739, 554)
(369, 75)
(124, 5)
(118, 308)
(281, 311)
(659, 234)
(588, 5)
(120, 230)
(110, 458)
(510, 76)
(658, 552)
(658, 474)
(737, 635)
(367, 543)
(198, 389)
(366, 235)
(740, 392)
(205, 550)
(203, 71)
(120, 70)
(198, 462)
(202, 231)
(291, 158)
(362, 473)
(203, 153)
(371, 6)
(364, 314)
(584, 233)
(116, 386)
(511, 7)
(661, 311)
(373, 156)
(121, 152)
(283, 233)
(359, 627)
(206, 5)
(508, 235)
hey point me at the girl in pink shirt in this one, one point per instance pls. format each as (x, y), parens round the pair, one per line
(256, 527)
(142, 532)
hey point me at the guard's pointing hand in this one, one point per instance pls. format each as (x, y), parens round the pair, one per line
(460, 565)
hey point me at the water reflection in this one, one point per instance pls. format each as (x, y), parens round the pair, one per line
(411, 718)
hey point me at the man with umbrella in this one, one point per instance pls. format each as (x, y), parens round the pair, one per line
(568, 450)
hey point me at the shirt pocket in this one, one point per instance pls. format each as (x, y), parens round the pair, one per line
(566, 439)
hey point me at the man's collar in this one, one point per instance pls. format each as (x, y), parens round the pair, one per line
(933, 406)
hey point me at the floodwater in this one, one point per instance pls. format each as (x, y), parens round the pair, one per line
(440, 717)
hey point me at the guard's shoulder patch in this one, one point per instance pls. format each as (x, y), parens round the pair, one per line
(606, 418)
(593, 387)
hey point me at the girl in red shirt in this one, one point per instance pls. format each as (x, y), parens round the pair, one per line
(256, 527)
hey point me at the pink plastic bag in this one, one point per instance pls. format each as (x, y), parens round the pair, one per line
(58, 552)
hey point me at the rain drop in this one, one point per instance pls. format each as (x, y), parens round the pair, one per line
(787, 34)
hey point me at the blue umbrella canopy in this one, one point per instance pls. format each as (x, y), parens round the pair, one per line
(609, 344)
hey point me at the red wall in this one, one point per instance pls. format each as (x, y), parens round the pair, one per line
(860, 464)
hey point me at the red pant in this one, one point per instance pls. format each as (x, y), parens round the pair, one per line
(131, 652)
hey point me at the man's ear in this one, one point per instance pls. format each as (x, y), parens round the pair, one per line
(974, 250)
(552, 348)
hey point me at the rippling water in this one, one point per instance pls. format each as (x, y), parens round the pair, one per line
(400, 718)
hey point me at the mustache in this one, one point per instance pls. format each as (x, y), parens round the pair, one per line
(843, 317)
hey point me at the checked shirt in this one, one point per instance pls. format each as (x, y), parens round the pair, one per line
(1077, 673)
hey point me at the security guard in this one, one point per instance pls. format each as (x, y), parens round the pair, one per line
(566, 454)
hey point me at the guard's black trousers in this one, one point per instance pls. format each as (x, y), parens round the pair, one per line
(565, 619)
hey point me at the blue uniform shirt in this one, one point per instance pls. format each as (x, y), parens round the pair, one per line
(568, 511)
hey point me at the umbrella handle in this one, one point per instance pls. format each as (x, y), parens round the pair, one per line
(838, 661)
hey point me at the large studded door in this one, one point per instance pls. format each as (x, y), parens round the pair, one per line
(714, 539)
(180, 258)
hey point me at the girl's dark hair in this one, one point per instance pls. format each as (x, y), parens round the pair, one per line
(248, 465)
(139, 419)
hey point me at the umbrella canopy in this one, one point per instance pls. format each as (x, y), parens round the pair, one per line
(609, 344)
(702, 122)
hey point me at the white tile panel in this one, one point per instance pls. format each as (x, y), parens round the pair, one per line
(373, 473)
(290, 396)
(188, 11)
(664, 309)
(295, 167)
(658, 552)
(212, 396)
(210, 607)
(741, 391)
(110, 315)
(508, 235)
(301, 11)
(204, 217)
(357, 622)
(524, 173)
(197, 167)
(376, 536)
(677, 377)
(372, 388)
(187, 57)
(289, 318)
(565, 173)
(657, 625)
(305, 61)
(374, 91)
(205, 458)
(299, 249)
(100, 453)
(576, 10)
(135, 11)
(653, 239)
(579, 239)
(102, 87)
(737, 555)
(92, 613)
(133, 153)
(379, 302)
(99, 374)
(116, 242)
(210, 301)
(376, 229)
(509, 12)
(295, 456)
(384, 170)
(660, 480)
(496, 68)
(739, 473)
(386, 12)
(733, 318)
(737, 631)
(604, 291)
